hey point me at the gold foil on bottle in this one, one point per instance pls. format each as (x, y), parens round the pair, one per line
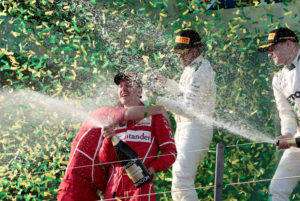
(292, 142)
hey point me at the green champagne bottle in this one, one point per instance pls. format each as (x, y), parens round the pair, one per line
(132, 164)
(295, 142)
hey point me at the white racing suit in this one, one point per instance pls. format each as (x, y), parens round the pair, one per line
(193, 135)
(286, 86)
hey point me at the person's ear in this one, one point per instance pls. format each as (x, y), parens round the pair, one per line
(289, 43)
(197, 50)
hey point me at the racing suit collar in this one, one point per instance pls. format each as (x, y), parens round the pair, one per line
(294, 63)
(296, 59)
(197, 60)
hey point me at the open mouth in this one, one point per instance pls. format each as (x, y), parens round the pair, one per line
(124, 95)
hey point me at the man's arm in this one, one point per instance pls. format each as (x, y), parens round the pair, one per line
(107, 152)
(287, 116)
(200, 96)
(139, 112)
(175, 106)
(107, 116)
(171, 86)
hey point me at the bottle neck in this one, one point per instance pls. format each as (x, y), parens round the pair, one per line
(115, 140)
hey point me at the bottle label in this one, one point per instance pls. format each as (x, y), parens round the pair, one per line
(134, 172)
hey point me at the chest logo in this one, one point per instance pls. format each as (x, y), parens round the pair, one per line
(135, 136)
(292, 97)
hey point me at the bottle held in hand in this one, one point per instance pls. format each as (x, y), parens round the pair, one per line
(295, 142)
(131, 163)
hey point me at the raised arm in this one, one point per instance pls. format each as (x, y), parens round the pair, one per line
(107, 116)
(199, 96)
(139, 112)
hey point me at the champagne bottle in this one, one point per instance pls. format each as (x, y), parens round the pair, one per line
(295, 142)
(131, 163)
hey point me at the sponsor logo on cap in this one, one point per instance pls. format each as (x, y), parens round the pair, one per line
(181, 39)
(129, 74)
(271, 36)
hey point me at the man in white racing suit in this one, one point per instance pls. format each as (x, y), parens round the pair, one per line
(193, 114)
(283, 48)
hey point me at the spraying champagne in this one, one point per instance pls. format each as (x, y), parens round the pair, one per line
(131, 163)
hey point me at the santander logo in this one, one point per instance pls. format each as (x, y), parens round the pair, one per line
(135, 136)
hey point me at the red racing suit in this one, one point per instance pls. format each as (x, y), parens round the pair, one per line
(85, 175)
(147, 137)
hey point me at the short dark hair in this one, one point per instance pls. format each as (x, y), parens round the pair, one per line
(133, 77)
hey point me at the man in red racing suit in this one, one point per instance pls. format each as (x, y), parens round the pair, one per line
(85, 174)
(147, 137)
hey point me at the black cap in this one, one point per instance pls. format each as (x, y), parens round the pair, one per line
(129, 76)
(185, 40)
(278, 35)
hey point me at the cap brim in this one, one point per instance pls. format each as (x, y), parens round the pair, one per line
(180, 51)
(265, 48)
